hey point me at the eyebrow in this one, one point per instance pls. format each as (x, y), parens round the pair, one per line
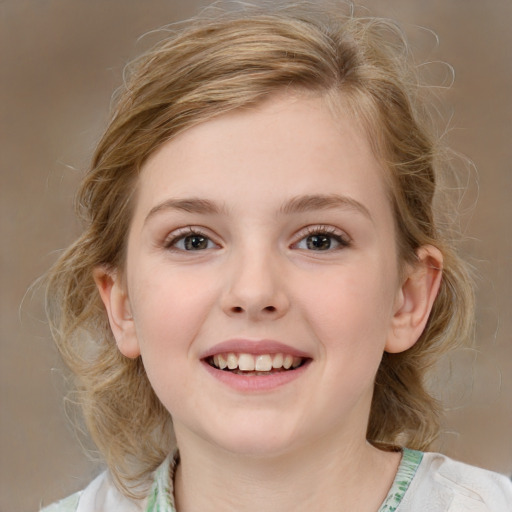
(299, 204)
(307, 203)
(190, 205)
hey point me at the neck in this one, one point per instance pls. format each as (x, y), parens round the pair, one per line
(351, 476)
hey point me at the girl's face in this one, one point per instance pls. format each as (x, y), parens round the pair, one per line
(262, 238)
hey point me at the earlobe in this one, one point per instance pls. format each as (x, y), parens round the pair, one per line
(115, 298)
(415, 299)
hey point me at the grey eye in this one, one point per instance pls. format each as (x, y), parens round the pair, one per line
(192, 242)
(195, 242)
(319, 242)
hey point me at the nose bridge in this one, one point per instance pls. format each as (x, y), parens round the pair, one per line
(254, 286)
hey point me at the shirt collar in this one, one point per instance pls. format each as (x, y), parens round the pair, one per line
(161, 496)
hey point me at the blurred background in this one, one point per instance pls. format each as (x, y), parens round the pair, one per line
(60, 62)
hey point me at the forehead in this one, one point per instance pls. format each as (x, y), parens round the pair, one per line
(293, 144)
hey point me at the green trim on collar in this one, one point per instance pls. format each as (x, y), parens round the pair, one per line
(161, 496)
(411, 459)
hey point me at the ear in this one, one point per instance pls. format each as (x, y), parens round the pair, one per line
(115, 298)
(415, 299)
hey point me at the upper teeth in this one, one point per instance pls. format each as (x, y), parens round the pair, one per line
(261, 363)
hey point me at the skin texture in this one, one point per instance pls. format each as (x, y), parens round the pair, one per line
(253, 188)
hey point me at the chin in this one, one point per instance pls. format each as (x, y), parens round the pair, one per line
(255, 440)
(257, 448)
(280, 444)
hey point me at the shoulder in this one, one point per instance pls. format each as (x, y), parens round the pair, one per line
(442, 484)
(68, 504)
(100, 495)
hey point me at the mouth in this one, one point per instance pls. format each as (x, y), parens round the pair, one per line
(256, 365)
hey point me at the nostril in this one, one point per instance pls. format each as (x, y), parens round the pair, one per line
(240, 309)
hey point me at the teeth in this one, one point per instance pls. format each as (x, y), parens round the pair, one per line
(222, 362)
(277, 362)
(259, 363)
(263, 363)
(246, 362)
(232, 361)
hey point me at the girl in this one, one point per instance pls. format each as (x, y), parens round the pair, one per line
(264, 280)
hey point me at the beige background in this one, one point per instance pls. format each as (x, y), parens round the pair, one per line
(60, 62)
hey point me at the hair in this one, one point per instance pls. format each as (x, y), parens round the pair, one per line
(204, 68)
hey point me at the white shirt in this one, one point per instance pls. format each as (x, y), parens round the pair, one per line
(425, 482)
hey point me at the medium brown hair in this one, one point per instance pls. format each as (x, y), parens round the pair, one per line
(202, 69)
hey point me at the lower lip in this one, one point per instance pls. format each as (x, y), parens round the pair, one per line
(253, 383)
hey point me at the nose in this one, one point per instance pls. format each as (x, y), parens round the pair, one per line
(255, 288)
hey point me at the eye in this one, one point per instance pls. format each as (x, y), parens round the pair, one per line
(191, 240)
(322, 239)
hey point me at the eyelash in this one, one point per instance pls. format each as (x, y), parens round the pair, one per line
(181, 234)
(309, 231)
(329, 231)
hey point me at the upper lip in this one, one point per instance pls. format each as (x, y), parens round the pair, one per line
(253, 346)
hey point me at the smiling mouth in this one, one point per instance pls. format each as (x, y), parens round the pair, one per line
(261, 364)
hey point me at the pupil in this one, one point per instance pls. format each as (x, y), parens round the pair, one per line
(196, 242)
(318, 242)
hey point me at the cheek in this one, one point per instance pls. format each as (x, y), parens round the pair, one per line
(353, 309)
(169, 308)
(168, 315)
